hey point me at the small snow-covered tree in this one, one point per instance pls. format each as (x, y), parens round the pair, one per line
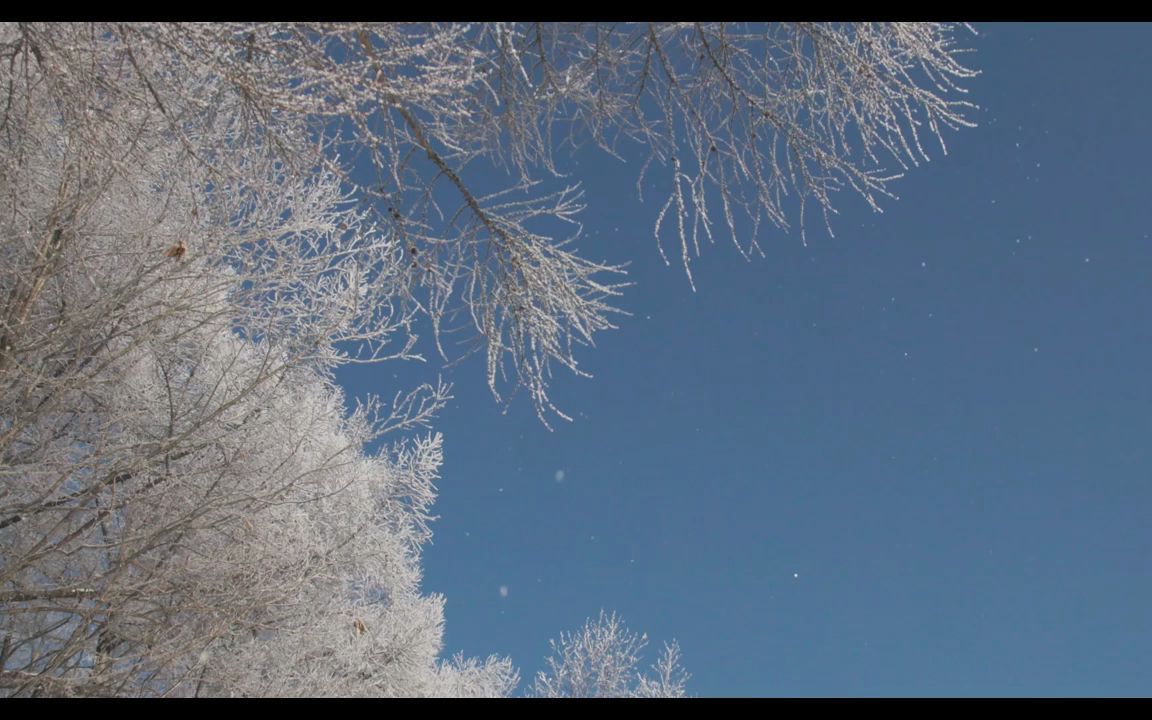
(602, 659)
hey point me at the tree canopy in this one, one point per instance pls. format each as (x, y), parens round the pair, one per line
(200, 223)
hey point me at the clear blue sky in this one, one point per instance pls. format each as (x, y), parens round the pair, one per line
(912, 459)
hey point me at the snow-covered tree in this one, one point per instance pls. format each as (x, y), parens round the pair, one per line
(186, 506)
(200, 223)
(602, 659)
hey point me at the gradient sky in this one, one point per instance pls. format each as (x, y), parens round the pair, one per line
(911, 459)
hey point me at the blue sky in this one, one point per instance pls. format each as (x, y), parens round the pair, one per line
(910, 459)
